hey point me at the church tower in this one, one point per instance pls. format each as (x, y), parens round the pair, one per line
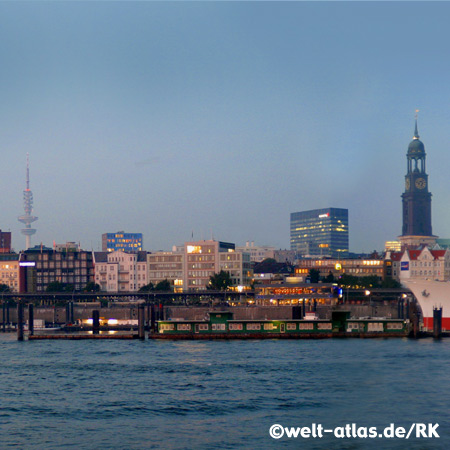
(416, 199)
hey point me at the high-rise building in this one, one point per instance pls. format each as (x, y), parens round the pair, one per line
(320, 232)
(416, 199)
(126, 242)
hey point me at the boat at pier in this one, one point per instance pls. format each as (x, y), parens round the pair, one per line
(221, 325)
(430, 295)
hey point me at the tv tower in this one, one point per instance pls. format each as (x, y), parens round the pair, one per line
(27, 218)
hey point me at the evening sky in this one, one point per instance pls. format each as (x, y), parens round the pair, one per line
(219, 119)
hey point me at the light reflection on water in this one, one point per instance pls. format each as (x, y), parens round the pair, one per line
(217, 394)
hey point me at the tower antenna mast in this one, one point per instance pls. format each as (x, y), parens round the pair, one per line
(27, 219)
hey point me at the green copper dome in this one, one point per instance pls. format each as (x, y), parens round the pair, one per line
(416, 146)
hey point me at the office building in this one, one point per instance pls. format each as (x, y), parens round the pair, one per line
(257, 253)
(320, 233)
(125, 242)
(10, 270)
(5, 241)
(203, 259)
(43, 265)
(166, 266)
(338, 267)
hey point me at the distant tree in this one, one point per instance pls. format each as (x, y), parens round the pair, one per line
(351, 281)
(91, 287)
(147, 288)
(314, 275)
(69, 288)
(163, 285)
(56, 286)
(390, 283)
(372, 281)
(329, 278)
(4, 288)
(219, 281)
(269, 261)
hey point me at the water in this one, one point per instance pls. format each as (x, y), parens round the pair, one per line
(218, 394)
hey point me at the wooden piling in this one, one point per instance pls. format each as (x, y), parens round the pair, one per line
(96, 321)
(141, 321)
(69, 313)
(20, 321)
(30, 319)
(415, 324)
(152, 319)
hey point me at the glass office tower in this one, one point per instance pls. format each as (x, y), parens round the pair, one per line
(126, 242)
(320, 232)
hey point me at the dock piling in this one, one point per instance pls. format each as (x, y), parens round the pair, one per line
(69, 313)
(19, 321)
(96, 321)
(30, 319)
(141, 321)
(152, 319)
(437, 323)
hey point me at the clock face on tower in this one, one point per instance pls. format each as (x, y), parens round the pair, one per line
(420, 183)
(407, 184)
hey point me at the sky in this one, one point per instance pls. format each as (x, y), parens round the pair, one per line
(219, 120)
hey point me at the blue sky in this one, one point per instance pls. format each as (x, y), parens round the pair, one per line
(219, 118)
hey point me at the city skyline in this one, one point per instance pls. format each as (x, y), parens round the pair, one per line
(219, 119)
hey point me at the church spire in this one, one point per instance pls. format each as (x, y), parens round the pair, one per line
(416, 132)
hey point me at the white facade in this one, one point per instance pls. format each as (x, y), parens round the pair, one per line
(425, 264)
(120, 271)
(257, 253)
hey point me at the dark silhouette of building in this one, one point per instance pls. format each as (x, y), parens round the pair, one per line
(5, 241)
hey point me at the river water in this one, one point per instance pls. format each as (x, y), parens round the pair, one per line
(219, 394)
